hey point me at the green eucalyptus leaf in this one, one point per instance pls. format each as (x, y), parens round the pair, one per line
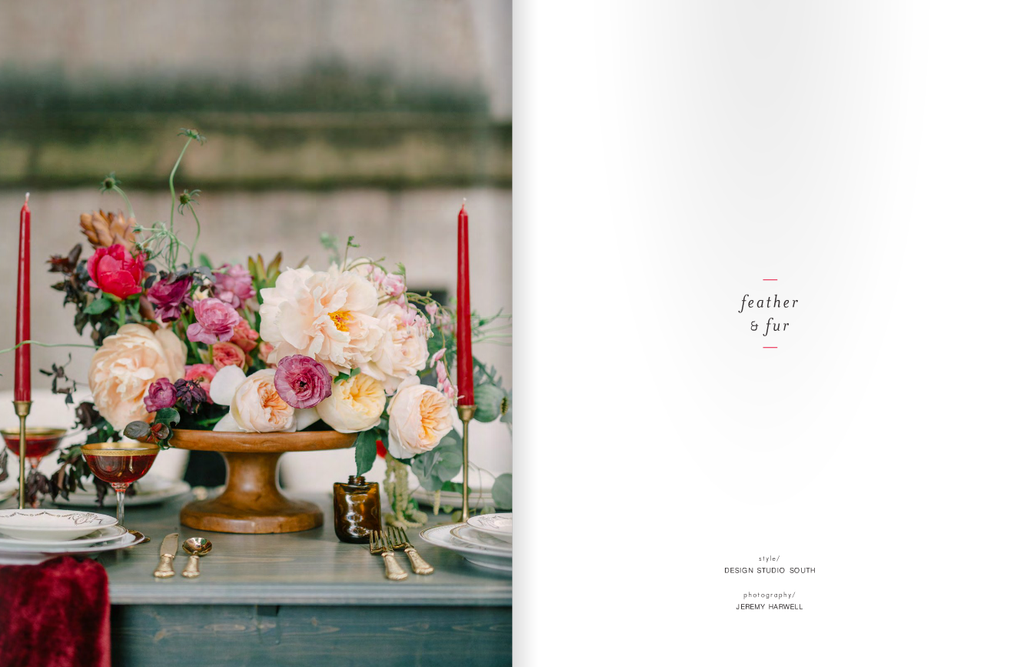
(366, 451)
(501, 492)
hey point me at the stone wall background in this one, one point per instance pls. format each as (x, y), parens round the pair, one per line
(367, 118)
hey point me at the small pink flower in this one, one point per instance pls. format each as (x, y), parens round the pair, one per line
(203, 374)
(438, 356)
(227, 354)
(215, 321)
(443, 383)
(432, 310)
(245, 336)
(393, 284)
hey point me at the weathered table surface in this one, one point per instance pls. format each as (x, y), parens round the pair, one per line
(294, 598)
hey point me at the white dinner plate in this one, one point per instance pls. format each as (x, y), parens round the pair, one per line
(453, 498)
(152, 489)
(499, 525)
(102, 535)
(486, 540)
(38, 555)
(51, 525)
(441, 536)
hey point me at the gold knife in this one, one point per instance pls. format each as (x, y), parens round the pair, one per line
(168, 548)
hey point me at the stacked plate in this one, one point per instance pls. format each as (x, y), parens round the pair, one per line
(32, 535)
(149, 490)
(484, 540)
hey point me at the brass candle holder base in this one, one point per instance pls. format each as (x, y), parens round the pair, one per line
(466, 413)
(22, 409)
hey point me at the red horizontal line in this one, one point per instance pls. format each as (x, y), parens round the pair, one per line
(770, 348)
(769, 278)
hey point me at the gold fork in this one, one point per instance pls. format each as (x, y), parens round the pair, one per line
(401, 541)
(379, 545)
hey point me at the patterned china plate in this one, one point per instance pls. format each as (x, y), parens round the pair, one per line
(51, 525)
(441, 536)
(499, 525)
(467, 534)
(102, 535)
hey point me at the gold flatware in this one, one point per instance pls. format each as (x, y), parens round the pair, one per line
(379, 545)
(168, 548)
(401, 541)
(195, 547)
(137, 534)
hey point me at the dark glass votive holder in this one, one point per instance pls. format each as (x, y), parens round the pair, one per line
(356, 510)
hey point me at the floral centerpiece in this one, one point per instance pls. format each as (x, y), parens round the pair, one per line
(183, 342)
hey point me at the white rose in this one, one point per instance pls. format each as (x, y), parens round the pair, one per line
(419, 417)
(354, 405)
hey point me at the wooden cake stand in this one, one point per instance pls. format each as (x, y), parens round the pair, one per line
(252, 501)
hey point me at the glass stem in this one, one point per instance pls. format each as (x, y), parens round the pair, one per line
(119, 489)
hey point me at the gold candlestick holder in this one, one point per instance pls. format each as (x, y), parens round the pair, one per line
(466, 413)
(21, 408)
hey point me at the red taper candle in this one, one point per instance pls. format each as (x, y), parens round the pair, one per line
(463, 325)
(22, 327)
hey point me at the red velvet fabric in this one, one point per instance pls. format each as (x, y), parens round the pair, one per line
(55, 614)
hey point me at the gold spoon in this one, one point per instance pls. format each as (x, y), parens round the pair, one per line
(195, 547)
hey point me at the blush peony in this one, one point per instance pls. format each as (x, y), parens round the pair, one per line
(419, 416)
(126, 365)
(402, 350)
(326, 315)
(354, 405)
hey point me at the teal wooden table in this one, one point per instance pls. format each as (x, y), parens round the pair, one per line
(301, 599)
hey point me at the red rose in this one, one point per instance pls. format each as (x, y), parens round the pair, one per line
(115, 272)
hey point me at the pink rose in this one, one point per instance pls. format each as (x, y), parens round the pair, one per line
(227, 354)
(234, 286)
(215, 321)
(264, 354)
(115, 272)
(302, 382)
(245, 336)
(203, 374)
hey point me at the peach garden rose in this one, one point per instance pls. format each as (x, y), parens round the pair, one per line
(354, 405)
(420, 416)
(256, 405)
